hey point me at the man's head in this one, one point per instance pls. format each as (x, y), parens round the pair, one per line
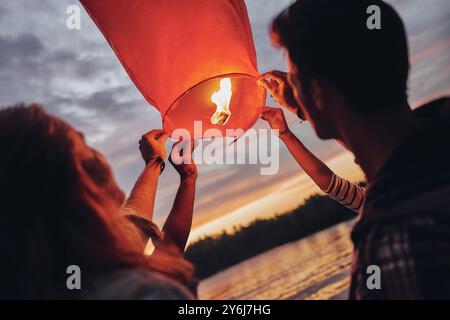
(338, 65)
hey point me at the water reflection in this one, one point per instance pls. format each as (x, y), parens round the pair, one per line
(313, 268)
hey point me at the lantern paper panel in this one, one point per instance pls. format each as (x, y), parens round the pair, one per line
(177, 52)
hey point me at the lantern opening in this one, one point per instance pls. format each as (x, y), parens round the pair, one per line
(245, 102)
(222, 100)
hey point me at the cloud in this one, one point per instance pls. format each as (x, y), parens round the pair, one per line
(25, 49)
(3, 11)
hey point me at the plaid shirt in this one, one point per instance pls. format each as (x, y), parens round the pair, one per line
(404, 227)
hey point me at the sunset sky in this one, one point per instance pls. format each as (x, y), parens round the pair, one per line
(76, 76)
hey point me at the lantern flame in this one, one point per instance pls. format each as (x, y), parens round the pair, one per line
(222, 100)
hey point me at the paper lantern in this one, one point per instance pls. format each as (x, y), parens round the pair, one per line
(180, 52)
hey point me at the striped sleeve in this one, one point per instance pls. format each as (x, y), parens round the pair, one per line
(349, 194)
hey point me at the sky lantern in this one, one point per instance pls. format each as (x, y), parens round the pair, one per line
(193, 60)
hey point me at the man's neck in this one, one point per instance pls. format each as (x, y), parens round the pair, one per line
(372, 139)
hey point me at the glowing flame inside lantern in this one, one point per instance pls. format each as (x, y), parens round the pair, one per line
(222, 100)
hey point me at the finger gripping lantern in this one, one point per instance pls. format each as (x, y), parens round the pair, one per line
(193, 60)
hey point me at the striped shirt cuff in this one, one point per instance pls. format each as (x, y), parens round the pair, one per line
(347, 193)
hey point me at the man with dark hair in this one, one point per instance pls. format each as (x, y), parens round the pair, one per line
(350, 82)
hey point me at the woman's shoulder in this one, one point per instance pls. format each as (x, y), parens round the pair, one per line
(136, 284)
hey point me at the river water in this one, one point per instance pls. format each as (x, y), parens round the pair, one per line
(317, 267)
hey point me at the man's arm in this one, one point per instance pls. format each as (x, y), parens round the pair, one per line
(314, 167)
(276, 82)
(343, 191)
(349, 194)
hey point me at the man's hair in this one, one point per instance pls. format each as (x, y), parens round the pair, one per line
(329, 40)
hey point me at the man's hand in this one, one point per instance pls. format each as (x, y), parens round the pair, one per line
(276, 119)
(277, 84)
(152, 145)
(184, 164)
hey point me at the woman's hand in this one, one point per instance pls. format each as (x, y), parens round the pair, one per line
(277, 84)
(152, 145)
(277, 121)
(184, 164)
